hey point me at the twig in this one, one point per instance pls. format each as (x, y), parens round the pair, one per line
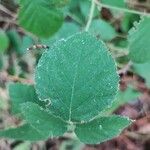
(7, 20)
(4, 77)
(122, 9)
(8, 23)
(18, 79)
(90, 15)
(7, 11)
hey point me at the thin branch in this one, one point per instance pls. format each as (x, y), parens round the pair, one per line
(18, 79)
(121, 9)
(8, 23)
(7, 11)
(7, 20)
(90, 15)
(4, 76)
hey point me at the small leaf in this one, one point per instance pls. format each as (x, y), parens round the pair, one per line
(24, 132)
(117, 3)
(124, 97)
(144, 71)
(101, 129)
(26, 43)
(47, 124)
(85, 8)
(15, 40)
(103, 29)
(1, 62)
(128, 20)
(72, 143)
(139, 44)
(4, 41)
(67, 29)
(21, 93)
(38, 17)
(79, 76)
(23, 146)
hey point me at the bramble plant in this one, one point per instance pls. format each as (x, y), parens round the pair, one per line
(76, 79)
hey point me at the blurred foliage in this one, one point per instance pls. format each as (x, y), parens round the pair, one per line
(143, 70)
(45, 22)
(71, 145)
(103, 30)
(4, 41)
(123, 97)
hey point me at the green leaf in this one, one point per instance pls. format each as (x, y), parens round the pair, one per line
(85, 8)
(73, 143)
(139, 44)
(101, 129)
(103, 29)
(1, 62)
(39, 18)
(47, 124)
(51, 3)
(128, 20)
(26, 43)
(15, 40)
(24, 132)
(79, 76)
(58, 3)
(117, 3)
(127, 95)
(23, 146)
(144, 71)
(65, 31)
(4, 41)
(124, 97)
(21, 93)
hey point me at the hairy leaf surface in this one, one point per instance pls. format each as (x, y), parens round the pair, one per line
(101, 129)
(78, 76)
(42, 121)
(21, 93)
(24, 132)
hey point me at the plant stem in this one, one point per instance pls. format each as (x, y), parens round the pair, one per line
(121, 9)
(90, 15)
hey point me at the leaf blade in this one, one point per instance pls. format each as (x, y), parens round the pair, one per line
(21, 93)
(39, 18)
(139, 41)
(24, 132)
(77, 76)
(101, 129)
(47, 124)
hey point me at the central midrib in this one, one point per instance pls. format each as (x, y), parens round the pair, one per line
(73, 87)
